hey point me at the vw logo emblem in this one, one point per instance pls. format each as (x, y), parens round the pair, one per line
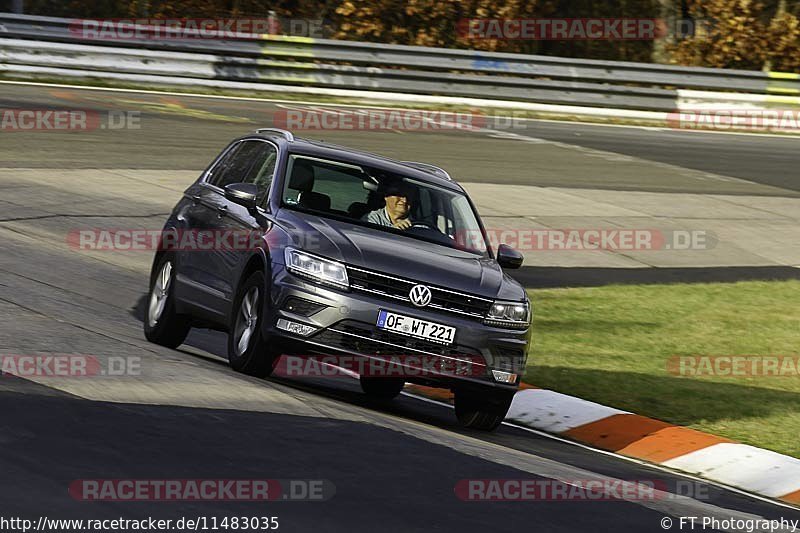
(420, 295)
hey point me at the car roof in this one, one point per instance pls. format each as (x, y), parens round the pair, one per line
(325, 150)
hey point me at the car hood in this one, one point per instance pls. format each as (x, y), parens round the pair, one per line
(398, 255)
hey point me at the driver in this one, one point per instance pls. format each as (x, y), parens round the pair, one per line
(396, 211)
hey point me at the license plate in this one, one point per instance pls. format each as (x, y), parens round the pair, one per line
(415, 327)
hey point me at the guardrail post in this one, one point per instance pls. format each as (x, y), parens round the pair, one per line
(273, 25)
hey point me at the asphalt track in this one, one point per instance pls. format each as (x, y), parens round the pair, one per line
(179, 132)
(186, 415)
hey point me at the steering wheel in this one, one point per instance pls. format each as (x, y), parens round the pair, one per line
(430, 231)
(424, 225)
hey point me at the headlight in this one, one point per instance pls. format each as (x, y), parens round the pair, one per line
(516, 315)
(316, 268)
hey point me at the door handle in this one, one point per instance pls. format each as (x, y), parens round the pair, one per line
(195, 200)
(221, 210)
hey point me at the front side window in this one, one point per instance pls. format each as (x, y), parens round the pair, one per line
(247, 162)
(382, 200)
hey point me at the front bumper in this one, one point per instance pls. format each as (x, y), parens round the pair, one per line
(346, 324)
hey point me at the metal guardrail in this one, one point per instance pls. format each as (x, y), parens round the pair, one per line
(47, 42)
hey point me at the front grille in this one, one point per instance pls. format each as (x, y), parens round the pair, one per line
(394, 288)
(367, 339)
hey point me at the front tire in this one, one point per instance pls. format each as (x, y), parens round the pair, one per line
(248, 349)
(484, 411)
(162, 325)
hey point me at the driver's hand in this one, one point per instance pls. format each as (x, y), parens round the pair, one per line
(403, 223)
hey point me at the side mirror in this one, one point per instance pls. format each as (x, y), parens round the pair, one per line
(244, 194)
(508, 257)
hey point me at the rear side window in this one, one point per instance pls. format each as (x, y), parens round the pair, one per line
(341, 184)
(247, 162)
(336, 186)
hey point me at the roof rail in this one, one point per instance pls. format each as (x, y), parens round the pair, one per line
(286, 134)
(427, 167)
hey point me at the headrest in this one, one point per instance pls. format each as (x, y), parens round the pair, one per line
(302, 176)
(358, 209)
(315, 200)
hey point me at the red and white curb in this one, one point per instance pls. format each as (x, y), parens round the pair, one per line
(714, 458)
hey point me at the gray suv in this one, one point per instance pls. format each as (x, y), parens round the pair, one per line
(308, 249)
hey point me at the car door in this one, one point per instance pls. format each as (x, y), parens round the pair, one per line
(195, 285)
(209, 272)
(228, 261)
(253, 161)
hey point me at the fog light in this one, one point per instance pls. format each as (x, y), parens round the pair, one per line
(504, 377)
(295, 327)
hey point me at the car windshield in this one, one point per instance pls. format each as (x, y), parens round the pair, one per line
(382, 200)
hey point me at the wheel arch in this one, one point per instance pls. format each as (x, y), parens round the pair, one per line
(162, 250)
(257, 261)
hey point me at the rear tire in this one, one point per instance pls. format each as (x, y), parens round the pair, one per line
(162, 325)
(482, 410)
(248, 350)
(382, 388)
